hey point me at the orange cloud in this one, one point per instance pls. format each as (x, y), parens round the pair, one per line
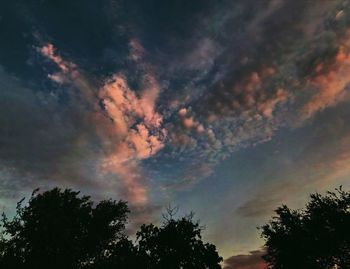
(134, 131)
(136, 127)
(254, 96)
(267, 106)
(330, 84)
(148, 100)
(124, 108)
(66, 67)
(249, 94)
(188, 121)
(129, 172)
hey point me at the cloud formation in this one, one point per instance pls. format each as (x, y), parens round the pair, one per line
(320, 162)
(135, 129)
(248, 95)
(331, 84)
(251, 261)
(271, 80)
(129, 123)
(119, 108)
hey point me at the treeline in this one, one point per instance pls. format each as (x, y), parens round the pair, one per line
(61, 229)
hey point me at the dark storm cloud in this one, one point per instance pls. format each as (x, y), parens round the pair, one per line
(250, 261)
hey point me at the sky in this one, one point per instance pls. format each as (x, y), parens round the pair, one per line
(228, 108)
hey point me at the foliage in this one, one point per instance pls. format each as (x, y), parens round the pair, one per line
(61, 229)
(316, 237)
(176, 244)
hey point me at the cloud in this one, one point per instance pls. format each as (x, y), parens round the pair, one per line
(278, 72)
(259, 206)
(202, 57)
(331, 84)
(335, 168)
(252, 260)
(133, 111)
(44, 142)
(66, 67)
(131, 141)
(244, 95)
(127, 122)
(136, 50)
(205, 89)
(141, 214)
(321, 162)
(28, 120)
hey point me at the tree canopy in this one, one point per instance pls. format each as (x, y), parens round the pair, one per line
(59, 229)
(315, 237)
(62, 229)
(176, 244)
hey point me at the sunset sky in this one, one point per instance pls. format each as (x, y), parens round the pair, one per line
(228, 108)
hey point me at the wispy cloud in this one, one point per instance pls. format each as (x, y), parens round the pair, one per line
(322, 162)
(127, 121)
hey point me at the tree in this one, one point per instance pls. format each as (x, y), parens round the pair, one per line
(59, 229)
(316, 237)
(176, 244)
(122, 255)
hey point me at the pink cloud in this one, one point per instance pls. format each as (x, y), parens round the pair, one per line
(188, 121)
(134, 129)
(148, 100)
(66, 67)
(267, 106)
(125, 109)
(250, 88)
(330, 83)
(134, 141)
(130, 173)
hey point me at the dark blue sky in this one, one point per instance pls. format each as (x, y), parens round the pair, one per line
(226, 108)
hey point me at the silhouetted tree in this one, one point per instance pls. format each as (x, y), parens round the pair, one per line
(122, 255)
(316, 237)
(176, 244)
(59, 229)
